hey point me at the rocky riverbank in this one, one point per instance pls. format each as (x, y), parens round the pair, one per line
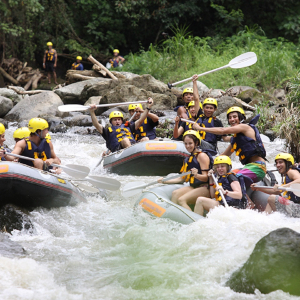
(20, 108)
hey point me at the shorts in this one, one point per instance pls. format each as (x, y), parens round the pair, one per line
(49, 66)
(119, 147)
(256, 171)
(287, 207)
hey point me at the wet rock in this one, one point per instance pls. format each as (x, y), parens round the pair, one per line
(149, 83)
(5, 106)
(223, 118)
(94, 100)
(249, 115)
(225, 102)
(10, 248)
(202, 88)
(55, 123)
(13, 217)
(34, 106)
(273, 265)
(270, 134)
(79, 120)
(95, 89)
(71, 93)
(215, 93)
(12, 95)
(234, 91)
(248, 95)
(4, 122)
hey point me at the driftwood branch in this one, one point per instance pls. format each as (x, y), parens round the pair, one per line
(245, 104)
(8, 77)
(15, 89)
(94, 61)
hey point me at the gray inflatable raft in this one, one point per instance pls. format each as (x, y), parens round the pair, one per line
(150, 158)
(157, 202)
(29, 187)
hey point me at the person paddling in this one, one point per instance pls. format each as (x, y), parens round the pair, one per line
(229, 185)
(246, 142)
(118, 136)
(289, 203)
(146, 131)
(21, 133)
(35, 146)
(77, 65)
(199, 162)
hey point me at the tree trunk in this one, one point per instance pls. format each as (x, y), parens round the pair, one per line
(25, 92)
(93, 60)
(8, 77)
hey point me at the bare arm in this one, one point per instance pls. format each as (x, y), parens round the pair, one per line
(196, 94)
(236, 192)
(226, 138)
(227, 151)
(122, 59)
(143, 116)
(55, 61)
(241, 128)
(95, 122)
(181, 112)
(203, 160)
(54, 159)
(177, 131)
(153, 117)
(44, 59)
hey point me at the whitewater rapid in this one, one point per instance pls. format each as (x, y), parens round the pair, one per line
(103, 249)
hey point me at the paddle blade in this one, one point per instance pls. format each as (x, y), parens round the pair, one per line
(76, 171)
(243, 60)
(87, 188)
(104, 183)
(72, 107)
(295, 188)
(132, 188)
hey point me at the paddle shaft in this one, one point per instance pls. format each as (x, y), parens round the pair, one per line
(294, 188)
(221, 193)
(120, 104)
(189, 121)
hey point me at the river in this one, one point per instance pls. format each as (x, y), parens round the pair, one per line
(103, 249)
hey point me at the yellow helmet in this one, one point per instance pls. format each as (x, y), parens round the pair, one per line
(285, 156)
(235, 109)
(211, 101)
(193, 132)
(115, 114)
(21, 133)
(48, 136)
(2, 128)
(134, 106)
(192, 103)
(49, 44)
(79, 57)
(188, 90)
(37, 124)
(222, 159)
(116, 50)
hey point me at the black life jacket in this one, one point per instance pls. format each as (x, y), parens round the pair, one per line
(50, 55)
(192, 162)
(290, 195)
(225, 182)
(42, 151)
(208, 123)
(246, 147)
(116, 135)
(145, 130)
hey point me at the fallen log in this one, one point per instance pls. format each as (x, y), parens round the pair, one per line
(82, 77)
(15, 89)
(94, 61)
(99, 70)
(36, 80)
(245, 104)
(8, 77)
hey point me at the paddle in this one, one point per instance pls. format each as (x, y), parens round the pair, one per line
(87, 188)
(221, 193)
(241, 61)
(295, 188)
(100, 161)
(78, 107)
(76, 171)
(104, 182)
(132, 188)
(189, 121)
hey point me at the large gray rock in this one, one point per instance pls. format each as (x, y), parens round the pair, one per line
(202, 88)
(236, 90)
(96, 89)
(70, 94)
(12, 95)
(94, 100)
(5, 106)
(149, 83)
(79, 120)
(129, 75)
(34, 106)
(273, 265)
(225, 102)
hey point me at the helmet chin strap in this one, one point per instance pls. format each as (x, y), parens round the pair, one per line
(39, 135)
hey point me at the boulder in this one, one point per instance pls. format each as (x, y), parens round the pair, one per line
(12, 95)
(96, 89)
(216, 93)
(34, 106)
(223, 118)
(279, 94)
(225, 102)
(55, 123)
(249, 115)
(149, 83)
(236, 90)
(4, 122)
(78, 120)
(202, 88)
(273, 265)
(5, 106)
(248, 95)
(70, 94)
(10, 248)
(94, 100)
(270, 134)
(128, 75)
(13, 217)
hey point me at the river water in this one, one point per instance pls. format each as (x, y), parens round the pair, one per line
(103, 249)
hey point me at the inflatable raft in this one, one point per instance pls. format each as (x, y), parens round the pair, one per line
(29, 187)
(150, 158)
(157, 202)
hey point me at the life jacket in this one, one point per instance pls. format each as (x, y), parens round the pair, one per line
(226, 184)
(192, 162)
(145, 130)
(246, 147)
(42, 151)
(6, 150)
(77, 66)
(115, 62)
(116, 135)
(208, 123)
(50, 55)
(290, 195)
